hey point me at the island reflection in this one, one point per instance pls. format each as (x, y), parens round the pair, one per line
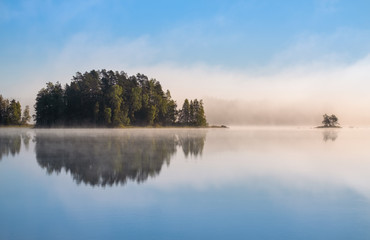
(10, 143)
(102, 159)
(329, 135)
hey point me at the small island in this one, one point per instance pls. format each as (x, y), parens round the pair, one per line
(329, 121)
(102, 98)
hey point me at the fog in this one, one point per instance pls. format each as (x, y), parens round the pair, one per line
(242, 112)
(312, 159)
(263, 112)
(99, 157)
(268, 83)
(276, 95)
(284, 91)
(261, 174)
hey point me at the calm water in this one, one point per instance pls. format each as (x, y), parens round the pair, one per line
(251, 183)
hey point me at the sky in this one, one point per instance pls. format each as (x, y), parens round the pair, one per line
(253, 62)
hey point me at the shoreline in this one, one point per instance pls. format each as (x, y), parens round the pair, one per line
(328, 127)
(125, 127)
(17, 126)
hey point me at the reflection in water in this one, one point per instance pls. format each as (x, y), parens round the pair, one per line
(251, 183)
(10, 142)
(101, 159)
(329, 135)
(26, 137)
(191, 145)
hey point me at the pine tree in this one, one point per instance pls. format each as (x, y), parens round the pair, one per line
(200, 115)
(185, 113)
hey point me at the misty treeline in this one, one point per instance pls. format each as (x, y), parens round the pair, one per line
(113, 99)
(11, 112)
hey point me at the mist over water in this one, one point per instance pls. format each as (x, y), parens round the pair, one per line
(299, 183)
(275, 112)
(106, 157)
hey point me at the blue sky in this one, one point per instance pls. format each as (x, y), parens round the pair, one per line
(215, 47)
(227, 33)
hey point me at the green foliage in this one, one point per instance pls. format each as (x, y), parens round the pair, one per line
(152, 113)
(184, 117)
(107, 98)
(50, 105)
(11, 113)
(135, 101)
(14, 113)
(171, 111)
(200, 117)
(192, 114)
(114, 101)
(108, 116)
(96, 112)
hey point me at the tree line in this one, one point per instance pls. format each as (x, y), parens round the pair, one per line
(113, 99)
(11, 112)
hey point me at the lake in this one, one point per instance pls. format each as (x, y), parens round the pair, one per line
(237, 183)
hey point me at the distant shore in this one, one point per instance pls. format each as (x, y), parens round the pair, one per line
(17, 126)
(328, 127)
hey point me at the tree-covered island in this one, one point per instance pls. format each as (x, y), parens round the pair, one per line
(329, 121)
(113, 99)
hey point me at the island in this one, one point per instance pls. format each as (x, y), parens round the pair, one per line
(102, 98)
(329, 121)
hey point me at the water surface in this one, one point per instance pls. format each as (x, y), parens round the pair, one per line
(241, 183)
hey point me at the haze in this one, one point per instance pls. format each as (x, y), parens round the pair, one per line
(168, 159)
(253, 62)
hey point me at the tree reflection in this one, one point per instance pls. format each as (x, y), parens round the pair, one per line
(191, 145)
(101, 159)
(11, 142)
(329, 135)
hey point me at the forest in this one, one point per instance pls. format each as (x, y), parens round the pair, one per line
(113, 99)
(11, 113)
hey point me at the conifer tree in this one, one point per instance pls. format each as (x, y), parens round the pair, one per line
(109, 98)
(185, 113)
